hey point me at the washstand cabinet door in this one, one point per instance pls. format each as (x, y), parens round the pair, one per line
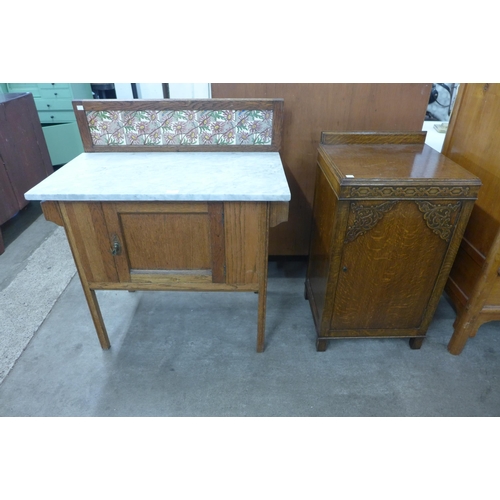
(391, 258)
(167, 241)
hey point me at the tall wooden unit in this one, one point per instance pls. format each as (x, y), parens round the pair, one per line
(388, 216)
(472, 141)
(24, 158)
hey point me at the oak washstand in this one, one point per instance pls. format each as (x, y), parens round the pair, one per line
(171, 195)
(389, 213)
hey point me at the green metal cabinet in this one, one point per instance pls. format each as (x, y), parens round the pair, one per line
(53, 103)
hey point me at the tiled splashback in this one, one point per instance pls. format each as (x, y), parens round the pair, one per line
(184, 127)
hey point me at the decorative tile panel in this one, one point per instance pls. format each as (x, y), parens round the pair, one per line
(184, 127)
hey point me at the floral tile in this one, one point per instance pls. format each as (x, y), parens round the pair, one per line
(185, 127)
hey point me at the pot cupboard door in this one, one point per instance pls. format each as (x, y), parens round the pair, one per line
(167, 242)
(392, 253)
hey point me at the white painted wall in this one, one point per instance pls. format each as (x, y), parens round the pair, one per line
(123, 91)
(155, 91)
(149, 91)
(190, 90)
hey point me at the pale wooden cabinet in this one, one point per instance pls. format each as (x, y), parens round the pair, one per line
(131, 245)
(150, 215)
(388, 216)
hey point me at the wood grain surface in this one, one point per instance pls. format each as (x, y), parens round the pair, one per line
(189, 246)
(472, 141)
(382, 251)
(388, 273)
(24, 157)
(244, 240)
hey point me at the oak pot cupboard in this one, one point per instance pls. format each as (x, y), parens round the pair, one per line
(388, 216)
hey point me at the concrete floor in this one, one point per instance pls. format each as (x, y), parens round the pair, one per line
(193, 354)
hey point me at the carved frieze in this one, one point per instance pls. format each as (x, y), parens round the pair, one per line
(409, 192)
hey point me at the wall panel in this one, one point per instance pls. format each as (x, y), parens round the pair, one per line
(311, 108)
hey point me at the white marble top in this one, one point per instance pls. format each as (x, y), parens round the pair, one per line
(166, 176)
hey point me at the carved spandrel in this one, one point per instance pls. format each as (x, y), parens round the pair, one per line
(439, 217)
(366, 218)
